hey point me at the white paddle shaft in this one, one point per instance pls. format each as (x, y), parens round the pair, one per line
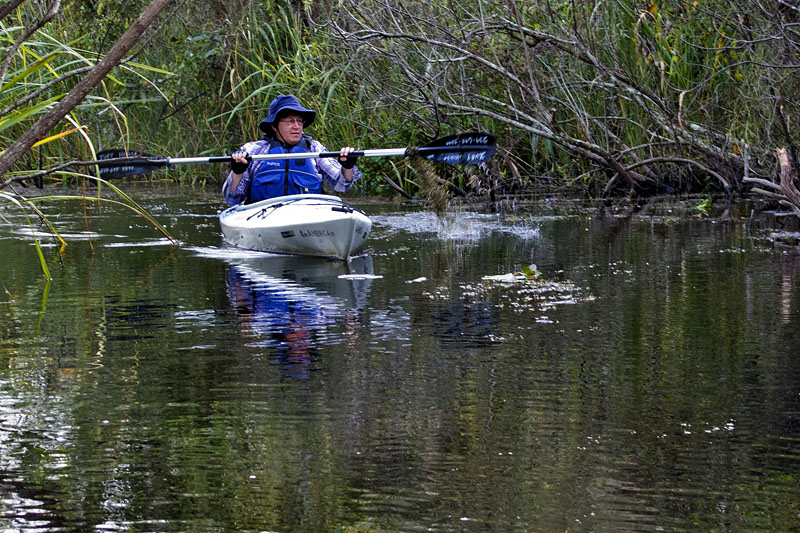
(300, 155)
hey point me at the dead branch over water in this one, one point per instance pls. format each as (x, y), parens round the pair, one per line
(94, 76)
(784, 192)
(685, 95)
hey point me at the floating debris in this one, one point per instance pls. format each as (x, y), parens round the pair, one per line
(531, 272)
(785, 239)
(520, 292)
(360, 276)
(505, 278)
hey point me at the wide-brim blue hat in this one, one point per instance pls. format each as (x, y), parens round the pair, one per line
(286, 102)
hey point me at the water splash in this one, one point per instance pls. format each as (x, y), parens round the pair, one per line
(459, 226)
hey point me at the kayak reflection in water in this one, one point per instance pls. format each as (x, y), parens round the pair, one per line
(292, 308)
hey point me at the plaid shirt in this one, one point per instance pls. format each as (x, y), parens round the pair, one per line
(328, 168)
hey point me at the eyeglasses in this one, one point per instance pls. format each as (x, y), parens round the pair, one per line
(291, 121)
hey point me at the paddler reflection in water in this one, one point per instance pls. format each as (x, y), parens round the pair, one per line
(251, 181)
(279, 320)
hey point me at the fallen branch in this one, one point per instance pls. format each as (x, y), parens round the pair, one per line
(686, 161)
(396, 187)
(785, 192)
(787, 182)
(39, 129)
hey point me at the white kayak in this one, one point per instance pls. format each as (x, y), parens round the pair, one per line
(304, 224)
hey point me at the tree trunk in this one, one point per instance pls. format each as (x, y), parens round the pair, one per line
(787, 182)
(38, 131)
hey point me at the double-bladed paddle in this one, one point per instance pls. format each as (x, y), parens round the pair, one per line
(462, 149)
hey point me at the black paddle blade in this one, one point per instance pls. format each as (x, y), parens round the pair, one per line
(122, 164)
(471, 148)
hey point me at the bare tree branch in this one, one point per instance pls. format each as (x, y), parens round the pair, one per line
(608, 86)
(8, 7)
(82, 89)
(11, 52)
(44, 88)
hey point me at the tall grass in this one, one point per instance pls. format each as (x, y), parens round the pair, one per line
(214, 66)
(227, 72)
(38, 69)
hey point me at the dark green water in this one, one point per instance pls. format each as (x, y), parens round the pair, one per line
(649, 380)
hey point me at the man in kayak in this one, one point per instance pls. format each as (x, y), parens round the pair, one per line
(251, 181)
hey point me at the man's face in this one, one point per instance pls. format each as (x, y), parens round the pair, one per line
(290, 128)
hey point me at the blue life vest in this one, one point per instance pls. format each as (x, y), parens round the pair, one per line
(289, 176)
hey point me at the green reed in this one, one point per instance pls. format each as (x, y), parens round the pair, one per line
(38, 69)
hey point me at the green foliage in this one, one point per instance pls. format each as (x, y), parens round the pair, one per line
(40, 66)
(704, 207)
(531, 271)
(614, 77)
(42, 69)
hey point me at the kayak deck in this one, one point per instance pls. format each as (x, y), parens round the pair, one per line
(304, 224)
